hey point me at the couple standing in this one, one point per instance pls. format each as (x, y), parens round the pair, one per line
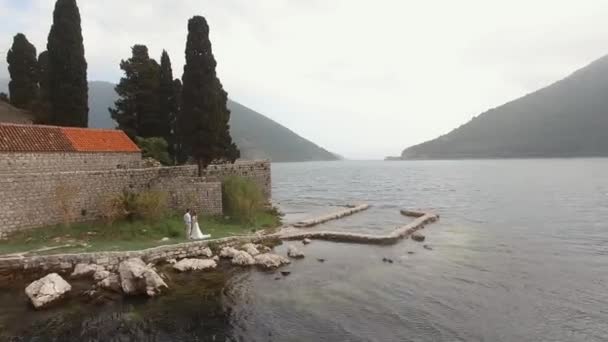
(193, 231)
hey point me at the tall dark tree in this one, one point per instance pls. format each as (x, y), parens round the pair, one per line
(137, 110)
(23, 69)
(168, 103)
(42, 106)
(68, 88)
(204, 113)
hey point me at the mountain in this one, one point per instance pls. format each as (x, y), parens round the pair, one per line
(256, 135)
(566, 119)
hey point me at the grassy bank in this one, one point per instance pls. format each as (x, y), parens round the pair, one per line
(127, 235)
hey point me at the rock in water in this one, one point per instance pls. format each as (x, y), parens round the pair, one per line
(418, 237)
(111, 283)
(293, 252)
(137, 278)
(428, 247)
(263, 249)
(47, 290)
(195, 265)
(101, 274)
(251, 249)
(86, 270)
(270, 261)
(242, 258)
(228, 252)
(306, 241)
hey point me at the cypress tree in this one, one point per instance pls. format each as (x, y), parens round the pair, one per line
(137, 110)
(22, 67)
(68, 88)
(168, 103)
(42, 107)
(204, 110)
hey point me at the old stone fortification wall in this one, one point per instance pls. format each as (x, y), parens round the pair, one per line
(30, 200)
(72, 161)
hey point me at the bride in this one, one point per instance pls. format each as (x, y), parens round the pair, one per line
(196, 230)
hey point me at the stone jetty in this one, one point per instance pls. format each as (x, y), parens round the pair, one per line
(422, 219)
(330, 217)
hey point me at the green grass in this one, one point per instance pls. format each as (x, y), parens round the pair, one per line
(127, 236)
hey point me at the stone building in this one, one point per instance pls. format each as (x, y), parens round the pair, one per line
(40, 164)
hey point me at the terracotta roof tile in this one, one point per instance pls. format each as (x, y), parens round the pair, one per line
(37, 138)
(99, 140)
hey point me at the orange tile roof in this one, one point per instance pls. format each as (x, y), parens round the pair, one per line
(38, 138)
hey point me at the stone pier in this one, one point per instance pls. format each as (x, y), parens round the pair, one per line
(330, 217)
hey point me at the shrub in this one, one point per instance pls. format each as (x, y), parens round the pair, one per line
(242, 198)
(151, 205)
(156, 148)
(111, 209)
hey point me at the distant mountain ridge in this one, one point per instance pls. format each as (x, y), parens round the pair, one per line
(566, 119)
(257, 136)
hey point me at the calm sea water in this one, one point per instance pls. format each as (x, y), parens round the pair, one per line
(520, 254)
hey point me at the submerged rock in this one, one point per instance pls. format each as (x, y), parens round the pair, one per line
(44, 291)
(306, 241)
(293, 252)
(86, 270)
(251, 249)
(137, 278)
(285, 273)
(228, 252)
(242, 258)
(111, 283)
(270, 261)
(428, 247)
(418, 237)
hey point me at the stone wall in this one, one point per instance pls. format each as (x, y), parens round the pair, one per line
(72, 161)
(30, 200)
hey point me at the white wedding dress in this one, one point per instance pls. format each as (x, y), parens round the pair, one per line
(196, 231)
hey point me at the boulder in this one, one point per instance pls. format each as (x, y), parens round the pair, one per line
(251, 249)
(86, 270)
(270, 261)
(195, 265)
(263, 249)
(418, 237)
(206, 252)
(293, 252)
(101, 274)
(228, 252)
(137, 278)
(44, 291)
(242, 258)
(111, 283)
(306, 241)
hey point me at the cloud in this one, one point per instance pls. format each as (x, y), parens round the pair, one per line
(364, 79)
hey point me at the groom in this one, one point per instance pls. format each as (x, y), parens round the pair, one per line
(188, 223)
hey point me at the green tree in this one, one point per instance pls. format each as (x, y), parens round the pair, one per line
(137, 110)
(204, 115)
(154, 147)
(22, 67)
(68, 88)
(169, 106)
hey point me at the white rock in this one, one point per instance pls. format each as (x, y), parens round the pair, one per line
(137, 278)
(306, 241)
(112, 283)
(268, 260)
(293, 252)
(242, 258)
(216, 258)
(47, 290)
(228, 252)
(86, 270)
(101, 274)
(207, 252)
(165, 239)
(251, 249)
(171, 261)
(195, 265)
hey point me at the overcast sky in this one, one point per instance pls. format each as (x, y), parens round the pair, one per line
(362, 78)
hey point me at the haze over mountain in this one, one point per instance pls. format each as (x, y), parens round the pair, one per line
(256, 135)
(566, 119)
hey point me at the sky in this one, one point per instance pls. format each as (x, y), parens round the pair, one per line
(364, 79)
